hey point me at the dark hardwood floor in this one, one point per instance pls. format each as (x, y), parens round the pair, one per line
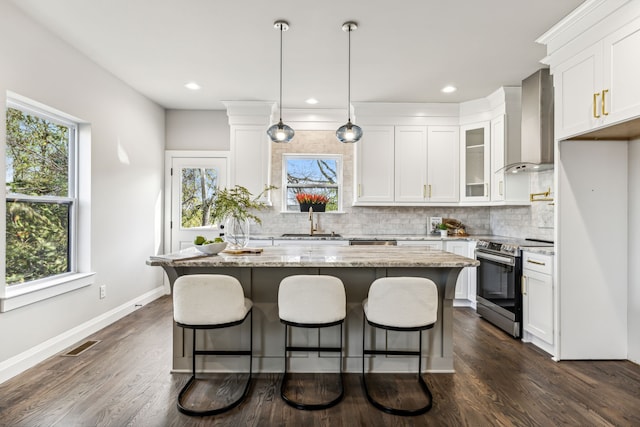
(125, 381)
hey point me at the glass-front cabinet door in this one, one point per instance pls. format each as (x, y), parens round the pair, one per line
(474, 156)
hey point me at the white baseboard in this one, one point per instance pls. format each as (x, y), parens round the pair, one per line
(27, 359)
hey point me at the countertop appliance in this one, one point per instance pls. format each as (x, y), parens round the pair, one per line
(499, 294)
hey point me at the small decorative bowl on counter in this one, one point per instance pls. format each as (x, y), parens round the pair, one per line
(211, 248)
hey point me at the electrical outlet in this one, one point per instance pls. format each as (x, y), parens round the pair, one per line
(103, 291)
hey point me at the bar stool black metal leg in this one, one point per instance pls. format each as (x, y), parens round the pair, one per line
(181, 396)
(421, 381)
(286, 377)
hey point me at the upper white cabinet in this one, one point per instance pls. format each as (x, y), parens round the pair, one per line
(426, 164)
(475, 161)
(498, 161)
(374, 164)
(250, 145)
(598, 86)
(443, 173)
(410, 163)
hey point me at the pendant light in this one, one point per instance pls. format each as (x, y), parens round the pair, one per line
(349, 132)
(280, 132)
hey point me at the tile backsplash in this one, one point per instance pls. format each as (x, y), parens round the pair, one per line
(521, 221)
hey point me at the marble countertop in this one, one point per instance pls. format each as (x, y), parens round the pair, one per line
(330, 256)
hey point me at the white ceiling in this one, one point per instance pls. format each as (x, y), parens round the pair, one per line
(403, 50)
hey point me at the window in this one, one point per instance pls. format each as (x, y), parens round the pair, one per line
(41, 199)
(198, 192)
(312, 173)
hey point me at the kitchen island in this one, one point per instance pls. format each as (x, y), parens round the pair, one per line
(357, 267)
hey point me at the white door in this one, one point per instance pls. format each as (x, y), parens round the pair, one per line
(194, 182)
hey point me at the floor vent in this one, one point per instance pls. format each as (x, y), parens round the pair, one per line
(81, 348)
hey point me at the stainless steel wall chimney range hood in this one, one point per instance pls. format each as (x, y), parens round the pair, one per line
(537, 124)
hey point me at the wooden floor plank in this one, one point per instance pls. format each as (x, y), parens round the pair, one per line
(125, 380)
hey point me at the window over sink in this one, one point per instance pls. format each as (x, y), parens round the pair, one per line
(319, 174)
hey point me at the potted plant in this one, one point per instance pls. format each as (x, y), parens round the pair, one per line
(444, 230)
(236, 207)
(312, 200)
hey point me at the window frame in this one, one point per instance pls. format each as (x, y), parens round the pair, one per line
(312, 156)
(21, 294)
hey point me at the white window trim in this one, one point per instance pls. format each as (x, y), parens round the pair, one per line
(20, 295)
(285, 184)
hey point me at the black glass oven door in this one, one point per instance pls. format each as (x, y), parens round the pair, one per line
(496, 279)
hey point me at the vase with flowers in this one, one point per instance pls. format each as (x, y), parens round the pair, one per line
(312, 200)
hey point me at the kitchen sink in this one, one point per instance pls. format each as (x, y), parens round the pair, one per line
(311, 235)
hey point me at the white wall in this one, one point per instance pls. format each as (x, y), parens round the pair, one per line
(634, 251)
(127, 149)
(197, 130)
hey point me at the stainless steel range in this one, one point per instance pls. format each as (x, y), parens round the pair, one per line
(499, 295)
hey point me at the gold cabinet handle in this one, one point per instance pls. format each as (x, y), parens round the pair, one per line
(424, 191)
(604, 96)
(595, 106)
(429, 190)
(523, 285)
(530, 261)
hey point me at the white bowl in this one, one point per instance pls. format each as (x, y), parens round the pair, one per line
(211, 248)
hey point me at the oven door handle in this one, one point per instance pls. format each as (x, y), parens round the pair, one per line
(495, 258)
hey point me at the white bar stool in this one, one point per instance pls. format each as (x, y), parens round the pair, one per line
(211, 301)
(311, 301)
(400, 304)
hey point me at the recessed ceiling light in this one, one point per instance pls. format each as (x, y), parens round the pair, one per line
(192, 86)
(311, 101)
(449, 89)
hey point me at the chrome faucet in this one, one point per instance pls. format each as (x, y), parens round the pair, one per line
(311, 219)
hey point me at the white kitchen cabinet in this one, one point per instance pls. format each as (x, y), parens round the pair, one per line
(410, 163)
(537, 300)
(598, 86)
(506, 187)
(464, 294)
(475, 162)
(426, 164)
(443, 161)
(250, 148)
(250, 145)
(498, 161)
(433, 244)
(374, 164)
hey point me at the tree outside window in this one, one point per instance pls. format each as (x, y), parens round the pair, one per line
(41, 197)
(315, 174)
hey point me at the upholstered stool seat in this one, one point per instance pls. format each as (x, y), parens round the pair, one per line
(400, 304)
(211, 301)
(311, 301)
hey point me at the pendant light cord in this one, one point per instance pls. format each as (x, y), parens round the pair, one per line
(349, 79)
(281, 29)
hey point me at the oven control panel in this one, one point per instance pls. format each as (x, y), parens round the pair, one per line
(504, 248)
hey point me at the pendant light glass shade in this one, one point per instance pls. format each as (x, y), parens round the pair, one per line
(349, 132)
(280, 132)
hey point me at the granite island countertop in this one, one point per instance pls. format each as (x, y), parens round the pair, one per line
(330, 256)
